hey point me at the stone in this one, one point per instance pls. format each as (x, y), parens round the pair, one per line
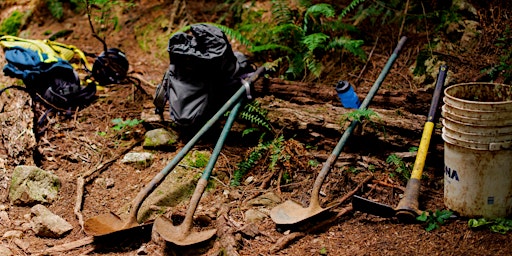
(160, 139)
(139, 158)
(31, 185)
(47, 224)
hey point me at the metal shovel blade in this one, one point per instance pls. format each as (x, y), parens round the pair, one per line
(181, 235)
(291, 212)
(103, 224)
(110, 224)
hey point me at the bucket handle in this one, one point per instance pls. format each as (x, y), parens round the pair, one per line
(500, 145)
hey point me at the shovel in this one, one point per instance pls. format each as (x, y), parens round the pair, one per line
(407, 209)
(182, 235)
(111, 223)
(291, 212)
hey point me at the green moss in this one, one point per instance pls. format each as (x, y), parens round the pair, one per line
(12, 25)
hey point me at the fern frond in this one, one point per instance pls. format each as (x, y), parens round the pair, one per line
(233, 34)
(352, 46)
(314, 41)
(281, 12)
(323, 9)
(270, 47)
(350, 7)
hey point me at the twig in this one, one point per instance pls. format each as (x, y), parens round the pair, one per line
(383, 183)
(68, 246)
(81, 180)
(369, 57)
(403, 20)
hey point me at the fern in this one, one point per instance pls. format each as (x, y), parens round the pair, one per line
(313, 12)
(350, 7)
(55, 8)
(352, 46)
(314, 41)
(253, 113)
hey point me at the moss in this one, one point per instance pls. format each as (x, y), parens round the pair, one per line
(12, 25)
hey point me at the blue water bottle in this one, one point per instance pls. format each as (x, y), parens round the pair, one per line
(347, 95)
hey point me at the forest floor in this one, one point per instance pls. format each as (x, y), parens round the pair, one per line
(308, 115)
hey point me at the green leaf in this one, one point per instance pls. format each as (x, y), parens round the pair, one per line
(422, 217)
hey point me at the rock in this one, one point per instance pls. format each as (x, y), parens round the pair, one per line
(47, 224)
(160, 139)
(266, 200)
(31, 185)
(12, 234)
(4, 219)
(143, 159)
(254, 215)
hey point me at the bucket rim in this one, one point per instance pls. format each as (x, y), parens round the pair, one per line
(475, 121)
(472, 102)
(492, 146)
(445, 120)
(480, 135)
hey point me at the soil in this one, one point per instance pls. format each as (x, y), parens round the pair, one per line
(84, 142)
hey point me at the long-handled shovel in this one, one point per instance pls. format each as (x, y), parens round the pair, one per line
(291, 212)
(182, 234)
(111, 223)
(407, 209)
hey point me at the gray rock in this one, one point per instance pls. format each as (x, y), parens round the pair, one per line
(139, 158)
(254, 215)
(47, 224)
(160, 139)
(31, 185)
(266, 200)
(12, 234)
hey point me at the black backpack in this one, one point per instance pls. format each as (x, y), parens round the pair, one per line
(203, 74)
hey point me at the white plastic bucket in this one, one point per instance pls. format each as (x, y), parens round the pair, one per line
(477, 136)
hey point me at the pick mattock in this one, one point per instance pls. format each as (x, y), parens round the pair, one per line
(182, 235)
(407, 209)
(291, 212)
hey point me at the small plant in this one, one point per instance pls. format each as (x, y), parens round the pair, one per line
(402, 168)
(360, 115)
(257, 116)
(272, 149)
(101, 14)
(120, 124)
(123, 127)
(12, 25)
(435, 219)
(499, 225)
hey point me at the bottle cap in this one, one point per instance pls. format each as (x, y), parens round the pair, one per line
(342, 86)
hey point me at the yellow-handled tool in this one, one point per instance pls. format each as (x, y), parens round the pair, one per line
(407, 208)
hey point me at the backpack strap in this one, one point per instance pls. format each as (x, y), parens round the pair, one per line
(162, 93)
(68, 52)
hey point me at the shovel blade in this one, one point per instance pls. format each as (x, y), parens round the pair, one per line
(371, 207)
(106, 224)
(291, 212)
(180, 235)
(103, 224)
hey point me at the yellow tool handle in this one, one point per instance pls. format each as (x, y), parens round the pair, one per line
(419, 164)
